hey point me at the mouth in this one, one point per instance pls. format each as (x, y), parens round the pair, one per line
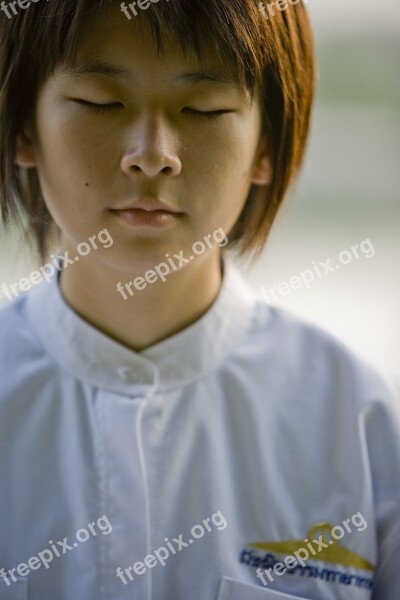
(149, 204)
(147, 212)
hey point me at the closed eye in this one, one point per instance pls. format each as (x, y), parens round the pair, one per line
(211, 115)
(98, 108)
(113, 106)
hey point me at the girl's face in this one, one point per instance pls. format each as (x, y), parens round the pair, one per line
(128, 125)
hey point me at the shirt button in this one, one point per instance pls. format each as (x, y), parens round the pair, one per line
(127, 373)
(136, 374)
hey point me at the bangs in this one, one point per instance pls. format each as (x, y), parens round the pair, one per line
(234, 33)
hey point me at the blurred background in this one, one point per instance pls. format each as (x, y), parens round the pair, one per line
(349, 190)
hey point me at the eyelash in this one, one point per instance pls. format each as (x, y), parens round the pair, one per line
(99, 108)
(210, 115)
(196, 114)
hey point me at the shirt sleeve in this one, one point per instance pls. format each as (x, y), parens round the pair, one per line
(387, 582)
(384, 452)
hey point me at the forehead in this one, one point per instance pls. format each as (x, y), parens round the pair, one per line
(110, 45)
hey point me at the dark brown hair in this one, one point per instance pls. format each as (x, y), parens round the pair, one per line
(276, 54)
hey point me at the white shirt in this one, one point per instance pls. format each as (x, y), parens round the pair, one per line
(246, 432)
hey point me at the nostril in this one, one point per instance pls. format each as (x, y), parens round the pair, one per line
(150, 164)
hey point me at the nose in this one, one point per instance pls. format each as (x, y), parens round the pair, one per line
(154, 150)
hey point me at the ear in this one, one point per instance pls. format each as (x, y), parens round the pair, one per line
(262, 171)
(25, 151)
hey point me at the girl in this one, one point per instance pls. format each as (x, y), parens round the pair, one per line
(180, 439)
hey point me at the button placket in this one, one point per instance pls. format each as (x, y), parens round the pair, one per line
(144, 373)
(124, 486)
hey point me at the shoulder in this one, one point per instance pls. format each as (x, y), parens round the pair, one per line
(20, 347)
(306, 354)
(11, 320)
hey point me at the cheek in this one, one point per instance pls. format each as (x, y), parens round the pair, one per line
(217, 178)
(71, 151)
(229, 150)
(234, 173)
(224, 160)
(72, 170)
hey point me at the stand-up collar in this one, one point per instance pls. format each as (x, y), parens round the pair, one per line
(94, 357)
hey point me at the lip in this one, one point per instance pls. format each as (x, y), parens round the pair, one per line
(147, 212)
(149, 204)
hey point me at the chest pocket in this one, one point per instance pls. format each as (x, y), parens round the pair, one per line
(16, 590)
(230, 589)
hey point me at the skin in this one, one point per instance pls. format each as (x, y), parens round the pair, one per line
(152, 142)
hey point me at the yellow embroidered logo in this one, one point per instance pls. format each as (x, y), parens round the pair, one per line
(324, 549)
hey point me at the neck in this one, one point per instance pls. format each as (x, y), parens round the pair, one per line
(157, 312)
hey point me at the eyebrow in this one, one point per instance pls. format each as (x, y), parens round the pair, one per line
(98, 68)
(115, 72)
(216, 77)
